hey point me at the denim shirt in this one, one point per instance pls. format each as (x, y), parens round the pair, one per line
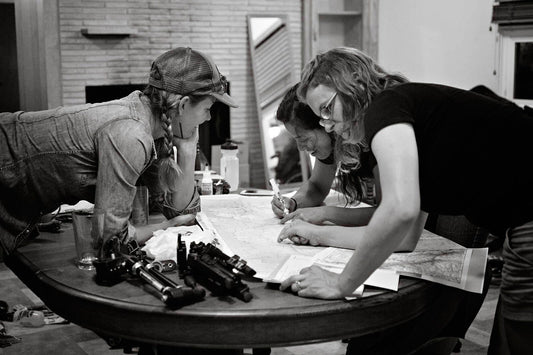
(93, 152)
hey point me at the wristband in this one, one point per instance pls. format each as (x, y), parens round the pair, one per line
(295, 204)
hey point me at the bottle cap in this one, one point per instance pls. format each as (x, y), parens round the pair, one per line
(229, 145)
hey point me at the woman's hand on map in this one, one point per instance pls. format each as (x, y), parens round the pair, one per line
(314, 282)
(300, 232)
(183, 220)
(143, 233)
(277, 207)
(315, 215)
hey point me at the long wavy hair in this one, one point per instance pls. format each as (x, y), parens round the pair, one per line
(161, 102)
(357, 79)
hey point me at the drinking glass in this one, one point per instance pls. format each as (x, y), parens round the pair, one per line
(88, 232)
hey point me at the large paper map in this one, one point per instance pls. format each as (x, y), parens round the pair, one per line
(434, 259)
(250, 229)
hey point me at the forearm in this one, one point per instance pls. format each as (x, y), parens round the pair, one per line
(183, 189)
(383, 235)
(316, 188)
(349, 216)
(143, 233)
(410, 240)
(309, 196)
(339, 237)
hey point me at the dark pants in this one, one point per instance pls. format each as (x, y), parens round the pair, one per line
(510, 337)
(512, 332)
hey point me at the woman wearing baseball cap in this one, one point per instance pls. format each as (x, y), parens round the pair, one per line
(100, 152)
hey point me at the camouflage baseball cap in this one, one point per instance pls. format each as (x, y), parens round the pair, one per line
(187, 71)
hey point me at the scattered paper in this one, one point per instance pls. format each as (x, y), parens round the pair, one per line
(80, 206)
(163, 245)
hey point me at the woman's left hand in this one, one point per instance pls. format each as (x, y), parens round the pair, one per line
(183, 220)
(314, 282)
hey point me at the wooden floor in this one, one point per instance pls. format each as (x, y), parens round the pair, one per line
(72, 339)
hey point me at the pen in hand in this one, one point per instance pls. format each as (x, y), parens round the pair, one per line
(275, 188)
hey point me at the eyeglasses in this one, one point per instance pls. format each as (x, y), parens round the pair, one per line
(326, 112)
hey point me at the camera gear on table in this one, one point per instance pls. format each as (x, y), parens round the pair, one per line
(123, 259)
(215, 270)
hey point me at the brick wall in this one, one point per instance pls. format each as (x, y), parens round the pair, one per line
(218, 27)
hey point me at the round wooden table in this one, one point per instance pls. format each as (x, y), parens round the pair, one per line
(272, 318)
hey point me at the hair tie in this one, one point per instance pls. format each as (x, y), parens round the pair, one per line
(295, 204)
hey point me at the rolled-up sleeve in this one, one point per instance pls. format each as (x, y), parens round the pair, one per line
(193, 206)
(124, 150)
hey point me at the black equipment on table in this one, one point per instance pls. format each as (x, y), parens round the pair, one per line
(130, 260)
(217, 271)
(213, 269)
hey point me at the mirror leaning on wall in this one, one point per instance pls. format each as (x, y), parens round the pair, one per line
(273, 75)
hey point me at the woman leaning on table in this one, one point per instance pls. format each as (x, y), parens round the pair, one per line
(99, 152)
(303, 125)
(439, 149)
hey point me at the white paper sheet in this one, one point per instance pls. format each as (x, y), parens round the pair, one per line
(163, 245)
(387, 279)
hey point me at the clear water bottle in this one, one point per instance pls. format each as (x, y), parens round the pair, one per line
(229, 164)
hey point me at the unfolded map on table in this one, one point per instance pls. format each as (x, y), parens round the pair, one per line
(434, 259)
(248, 227)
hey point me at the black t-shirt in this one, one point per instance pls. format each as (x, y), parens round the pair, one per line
(475, 152)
